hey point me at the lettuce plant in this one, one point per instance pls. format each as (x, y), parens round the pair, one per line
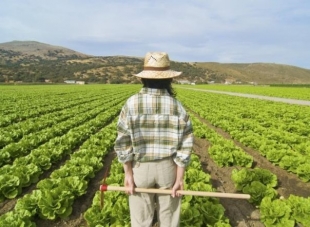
(14, 219)
(9, 186)
(55, 203)
(190, 215)
(257, 182)
(258, 191)
(275, 213)
(303, 172)
(300, 209)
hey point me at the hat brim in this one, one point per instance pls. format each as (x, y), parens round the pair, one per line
(150, 74)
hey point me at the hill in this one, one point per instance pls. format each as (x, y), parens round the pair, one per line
(262, 73)
(30, 61)
(33, 48)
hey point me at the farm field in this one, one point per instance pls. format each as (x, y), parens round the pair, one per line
(302, 93)
(56, 144)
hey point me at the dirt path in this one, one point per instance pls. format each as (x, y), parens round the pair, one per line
(83, 203)
(240, 212)
(270, 98)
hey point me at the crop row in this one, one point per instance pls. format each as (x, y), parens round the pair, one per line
(243, 119)
(33, 140)
(260, 183)
(26, 170)
(54, 196)
(223, 151)
(15, 131)
(23, 98)
(19, 113)
(26, 131)
(274, 210)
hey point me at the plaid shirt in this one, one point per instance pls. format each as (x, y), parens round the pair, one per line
(153, 125)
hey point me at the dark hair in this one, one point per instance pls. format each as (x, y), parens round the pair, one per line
(159, 84)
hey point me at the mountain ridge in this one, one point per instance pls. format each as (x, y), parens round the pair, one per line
(40, 60)
(36, 48)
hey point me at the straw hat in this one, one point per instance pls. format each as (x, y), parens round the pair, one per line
(157, 66)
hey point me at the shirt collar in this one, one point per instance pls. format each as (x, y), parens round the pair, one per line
(154, 91)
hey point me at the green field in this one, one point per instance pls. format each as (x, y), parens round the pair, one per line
(54, 141)
(302, 93)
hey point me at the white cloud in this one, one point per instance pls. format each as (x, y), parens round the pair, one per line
(197, 30)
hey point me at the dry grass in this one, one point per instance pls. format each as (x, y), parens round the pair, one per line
(260, 72)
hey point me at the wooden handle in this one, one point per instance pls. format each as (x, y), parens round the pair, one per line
(182, 192)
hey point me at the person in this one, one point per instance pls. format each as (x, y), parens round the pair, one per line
(154, 143)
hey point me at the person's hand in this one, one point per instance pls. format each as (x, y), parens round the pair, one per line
(129, 183)
(178, 185)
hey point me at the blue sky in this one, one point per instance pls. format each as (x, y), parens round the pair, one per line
(239, 31)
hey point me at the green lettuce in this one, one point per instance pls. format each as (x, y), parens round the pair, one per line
(303, 172)
(291, 162)
(258, 191)
(27, 174)
(245, 176)
(84, 172)
(120, 213)
(275, 213)
(28, 203)
(300, 209)
(190, 215)
(212, 212)
(14, 219)
(242, 159)
(55, 203)
(9, 186)
(42, 161)
(194, 175)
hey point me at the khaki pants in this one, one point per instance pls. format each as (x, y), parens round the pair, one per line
(157, 174)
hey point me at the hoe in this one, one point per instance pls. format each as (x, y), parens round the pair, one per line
(104, 187)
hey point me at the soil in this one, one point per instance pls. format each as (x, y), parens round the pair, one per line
(239, 211)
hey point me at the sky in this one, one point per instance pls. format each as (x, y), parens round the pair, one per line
(224, 31)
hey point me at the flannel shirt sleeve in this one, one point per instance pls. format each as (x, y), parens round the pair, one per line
(182, 157)
(123, 144)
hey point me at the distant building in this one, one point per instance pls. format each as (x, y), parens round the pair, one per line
(80, 82)
(183, 82)
(74, 82)
(69, 81)
(229, 80)
(253, 83)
